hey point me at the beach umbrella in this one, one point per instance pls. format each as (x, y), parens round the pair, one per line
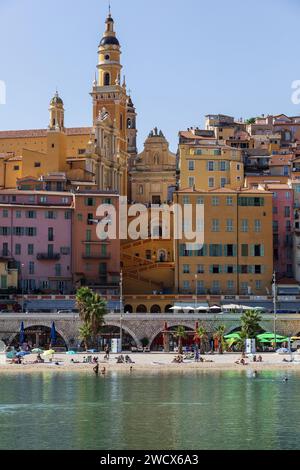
(202, 309)
(233, 336)
(188, 308)
(37, 351)
(71, 353)
(268, 335)
(11, 354)
(53, 334)
(22, 333)
(49, 353)
(22, 353)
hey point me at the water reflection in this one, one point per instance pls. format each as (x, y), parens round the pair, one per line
(229, 410)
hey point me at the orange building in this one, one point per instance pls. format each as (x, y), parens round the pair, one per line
(96, 263)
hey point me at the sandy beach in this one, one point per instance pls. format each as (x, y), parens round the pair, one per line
(153, 362)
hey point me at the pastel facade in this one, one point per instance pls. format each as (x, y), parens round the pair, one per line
(283, 223)
(237, 255)
(205, 164)
(8, 274)
(35, 232)
(153, 171)
(96, 262)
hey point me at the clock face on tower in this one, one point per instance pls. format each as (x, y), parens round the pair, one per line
(107, 57)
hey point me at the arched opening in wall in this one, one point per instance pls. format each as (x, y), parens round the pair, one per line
(39, 336)
(188, 341)
(168, 309)
(155, 309)
(110, 333)
(128, 309)
(162, 255)
(106, 79)
(129, 123)
(141, 309)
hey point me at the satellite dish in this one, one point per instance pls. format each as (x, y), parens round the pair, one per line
(2, 347)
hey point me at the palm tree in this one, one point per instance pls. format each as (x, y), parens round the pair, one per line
(201, 336)
(250, 323)
(92, 309)
(180, 333)
(219, 335)
(241, 343)
(85, 332)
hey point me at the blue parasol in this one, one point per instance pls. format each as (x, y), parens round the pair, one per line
(22, 354)
(22, 333)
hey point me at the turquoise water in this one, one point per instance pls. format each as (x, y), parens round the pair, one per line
(205, 410)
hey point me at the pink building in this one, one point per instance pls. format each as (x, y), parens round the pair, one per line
(283, 223)
(36, 232)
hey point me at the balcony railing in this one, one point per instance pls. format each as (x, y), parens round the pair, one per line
(96, 256)
(6, 254)
(48, 256)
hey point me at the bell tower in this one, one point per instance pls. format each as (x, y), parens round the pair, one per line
(108, 92)
(57, 114)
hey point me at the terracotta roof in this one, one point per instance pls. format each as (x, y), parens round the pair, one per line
(192, 136)
(38, 133)
(32, 193)
(225, 191)
(278, 186)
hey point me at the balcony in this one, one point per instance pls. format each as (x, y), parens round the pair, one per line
(5, 254)
(97, 256)
(48, 256)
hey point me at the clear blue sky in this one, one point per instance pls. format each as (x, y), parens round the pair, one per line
(182, 59)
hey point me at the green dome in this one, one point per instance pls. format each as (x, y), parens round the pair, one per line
(56, 100)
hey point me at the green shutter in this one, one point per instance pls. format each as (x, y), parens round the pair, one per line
(225, 250)
(251, 250)
(262, 250)
(220, 249)
(234, 250)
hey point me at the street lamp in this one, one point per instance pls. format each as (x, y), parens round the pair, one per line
(121, 310)
(275, 306)
(196, 288)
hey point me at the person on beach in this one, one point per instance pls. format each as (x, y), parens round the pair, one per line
(106, 350)
(259, 359)
(96, 369)
(103, 370)
(197, 355)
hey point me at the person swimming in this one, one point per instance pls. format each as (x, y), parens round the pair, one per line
(96, 369)
(285, 379)
(103, 371)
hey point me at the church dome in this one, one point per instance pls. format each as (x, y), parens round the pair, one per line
(109, 41)
(56, 100)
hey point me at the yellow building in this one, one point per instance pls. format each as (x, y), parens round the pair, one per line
(205, 164)
(153, 172)
(94, 155)
(8, 275)
(237, 254)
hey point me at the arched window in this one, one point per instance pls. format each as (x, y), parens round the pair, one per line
(121, 122)
(106, 79)
(155, 309)
(141, 309)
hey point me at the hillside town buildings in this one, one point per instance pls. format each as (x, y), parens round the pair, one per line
(245, 174)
